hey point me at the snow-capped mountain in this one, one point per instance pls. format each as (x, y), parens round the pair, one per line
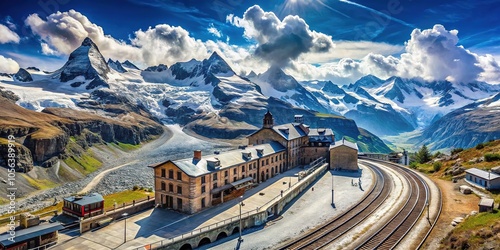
(206, 96)
(129, 65)
(87, 62)
(274, 82)
(396, 104)
(116, 65)
(465, 127)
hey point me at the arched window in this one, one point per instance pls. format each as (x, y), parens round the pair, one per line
(163, 186)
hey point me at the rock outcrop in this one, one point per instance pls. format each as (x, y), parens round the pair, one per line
(23, 76)
(42, 136)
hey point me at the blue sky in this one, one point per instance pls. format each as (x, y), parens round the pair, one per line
(355, 29)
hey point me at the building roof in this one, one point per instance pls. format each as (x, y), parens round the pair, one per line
(194, 167)
(290, 131)
(482, 174)
(31, 232)
(321, 135)
(486, 202)
(86, 199)
(346, 143)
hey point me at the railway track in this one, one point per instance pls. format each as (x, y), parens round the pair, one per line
(391, 233)
(395, 229)
(344, 222)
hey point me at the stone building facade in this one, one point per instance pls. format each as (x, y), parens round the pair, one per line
(344, 155)
(303, 144)
(192, 184)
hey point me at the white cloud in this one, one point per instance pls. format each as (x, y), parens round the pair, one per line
(7, 35)
(167, 44)
(8, 65)
(280, 41)
(491, 73)
(433, 54)
(214, 31)
(64, 32)
(47, 50)
(352, 49)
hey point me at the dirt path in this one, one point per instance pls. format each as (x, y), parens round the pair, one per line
(164, 138)
(99, 177)
(455, 204)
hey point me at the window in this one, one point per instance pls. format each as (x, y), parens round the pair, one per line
(202, 202)
(254, 165)
(203, 180)
(163, 187)
(243, 168)
(170, 187)
(215, 186)
(234, 171)
(163, 173)
(272, 159)
(179, 189)
(226, 173)
(202, 189)
(234, 179)
(276, 158)
(243, 177)
(214, 177)
(267, 161)
(179, 175)
(225, 182)
(262, 163)
(179, 203)
(170, 173)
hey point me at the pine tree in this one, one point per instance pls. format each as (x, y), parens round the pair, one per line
(423, 155)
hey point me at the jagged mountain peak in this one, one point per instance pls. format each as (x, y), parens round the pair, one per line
(252, 74)
(161, 67)
(278, 79)
(215, 64)
(332, 88)
(116, 65)
(367, 81)
(88, 42)
(85, 61)
(128, 64)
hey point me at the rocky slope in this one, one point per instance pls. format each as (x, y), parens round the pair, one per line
(45, 135)
(466, 126)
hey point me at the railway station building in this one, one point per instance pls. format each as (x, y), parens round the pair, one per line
(201, 181)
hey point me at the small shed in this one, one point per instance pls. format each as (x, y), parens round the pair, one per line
(84, 206)
(464, 189)
(344, 155)
(486, 205)
(33, 237)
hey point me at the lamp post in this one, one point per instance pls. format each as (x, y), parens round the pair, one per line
(241, 205)
(125, 229)
(333, 204)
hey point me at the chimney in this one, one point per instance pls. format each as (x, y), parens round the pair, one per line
(299, 119)
(197, 155)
